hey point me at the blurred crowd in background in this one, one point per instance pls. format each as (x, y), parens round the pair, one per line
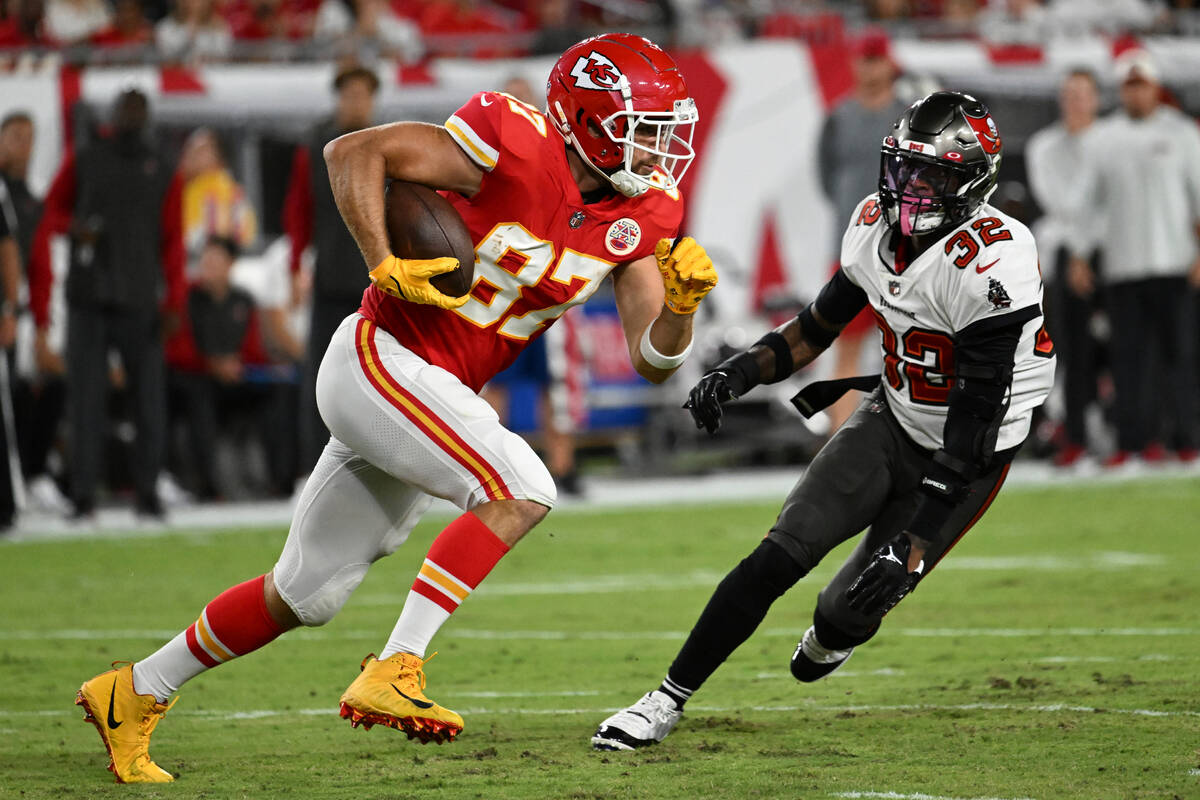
(190, 31)
(197, 307)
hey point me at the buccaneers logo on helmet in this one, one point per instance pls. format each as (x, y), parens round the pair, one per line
(594, 71)
(985, 131)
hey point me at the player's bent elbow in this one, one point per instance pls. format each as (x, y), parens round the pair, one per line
(653, 374)
(337, 150)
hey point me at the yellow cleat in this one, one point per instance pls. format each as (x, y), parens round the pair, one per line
(125, 720)
(391, 692)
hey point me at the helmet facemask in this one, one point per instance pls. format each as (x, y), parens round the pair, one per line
(659, 139)
(922, 194)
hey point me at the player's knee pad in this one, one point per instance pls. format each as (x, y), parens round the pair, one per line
(316, 599)
(835, 637)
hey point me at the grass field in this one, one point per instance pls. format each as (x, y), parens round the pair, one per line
(1055, 654)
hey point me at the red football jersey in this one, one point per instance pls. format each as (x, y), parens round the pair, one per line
(539, 249)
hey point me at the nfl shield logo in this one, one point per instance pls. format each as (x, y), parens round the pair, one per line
(894, 288)
(576, 219)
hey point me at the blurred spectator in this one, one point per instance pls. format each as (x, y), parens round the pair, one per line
(556, 26)
(848, 162)
(211, 362)
(1073, 17)
(1142, 178)
(1014, 22)
(75, 21)
(129, 27)
(16, 150)
(192, 32)
(371, 26)
(120, 203)
(888, 10)
(960, 16)
(262, 20)
(37, 399)
(1054, 162)
(214, 203)
(312, 217)
(470, 28)
(10, 281)
(23, 24)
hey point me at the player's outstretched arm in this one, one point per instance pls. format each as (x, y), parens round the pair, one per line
(778, 354)
(359, 162)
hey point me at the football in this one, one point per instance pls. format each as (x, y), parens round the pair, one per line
(422, 224)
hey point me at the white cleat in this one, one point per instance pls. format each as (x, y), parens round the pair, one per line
(646, 722)
(812, 661)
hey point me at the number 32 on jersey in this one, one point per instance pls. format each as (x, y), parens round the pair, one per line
(511, 259)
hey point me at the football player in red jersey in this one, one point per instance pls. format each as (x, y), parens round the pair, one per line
(556, 201)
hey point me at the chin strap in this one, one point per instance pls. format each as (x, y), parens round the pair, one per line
(625, 183)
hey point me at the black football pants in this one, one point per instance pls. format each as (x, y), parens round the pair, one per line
(865, 477)
(137, 337)
(1154, 344)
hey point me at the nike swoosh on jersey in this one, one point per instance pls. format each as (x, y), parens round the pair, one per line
(413, 700)
(980, 270)
(112, 720)
(485, 101)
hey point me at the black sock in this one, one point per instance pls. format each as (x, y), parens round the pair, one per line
(737, 607)
(674, 691)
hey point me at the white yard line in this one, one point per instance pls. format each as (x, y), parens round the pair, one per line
(1057, 708)
(335, 634)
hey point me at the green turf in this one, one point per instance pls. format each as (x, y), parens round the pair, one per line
(957, 698)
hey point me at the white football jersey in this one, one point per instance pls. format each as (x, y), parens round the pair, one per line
(985, 268)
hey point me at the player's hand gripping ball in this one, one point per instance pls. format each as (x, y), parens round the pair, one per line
(408, 279)
(433, 256)
(688, 273)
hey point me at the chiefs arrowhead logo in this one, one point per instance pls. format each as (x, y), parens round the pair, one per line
(595, 71)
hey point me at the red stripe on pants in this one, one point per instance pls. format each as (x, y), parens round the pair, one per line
(390, 388)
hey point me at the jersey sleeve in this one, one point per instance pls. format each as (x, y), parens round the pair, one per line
(1004, 279)
(476, 128)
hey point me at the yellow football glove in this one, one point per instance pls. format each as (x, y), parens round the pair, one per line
(408, 279)
(688, 273)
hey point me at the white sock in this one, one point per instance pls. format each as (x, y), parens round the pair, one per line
(419, 620)
(165, 670)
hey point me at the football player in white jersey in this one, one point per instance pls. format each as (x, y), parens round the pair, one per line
(955, 289)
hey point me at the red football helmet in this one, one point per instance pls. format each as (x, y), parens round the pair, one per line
(617, 99)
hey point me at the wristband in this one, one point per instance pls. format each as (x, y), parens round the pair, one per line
(657, 359)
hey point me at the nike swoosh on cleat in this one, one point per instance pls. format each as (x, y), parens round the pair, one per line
(980, 270)
(413, 700)
(112, 720)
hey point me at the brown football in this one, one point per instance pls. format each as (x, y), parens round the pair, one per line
(422, 224)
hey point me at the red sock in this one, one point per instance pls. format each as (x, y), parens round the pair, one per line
(235, 623)
(460, 558)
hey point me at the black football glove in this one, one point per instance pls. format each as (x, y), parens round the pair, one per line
(706, 397)
(886, 579)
